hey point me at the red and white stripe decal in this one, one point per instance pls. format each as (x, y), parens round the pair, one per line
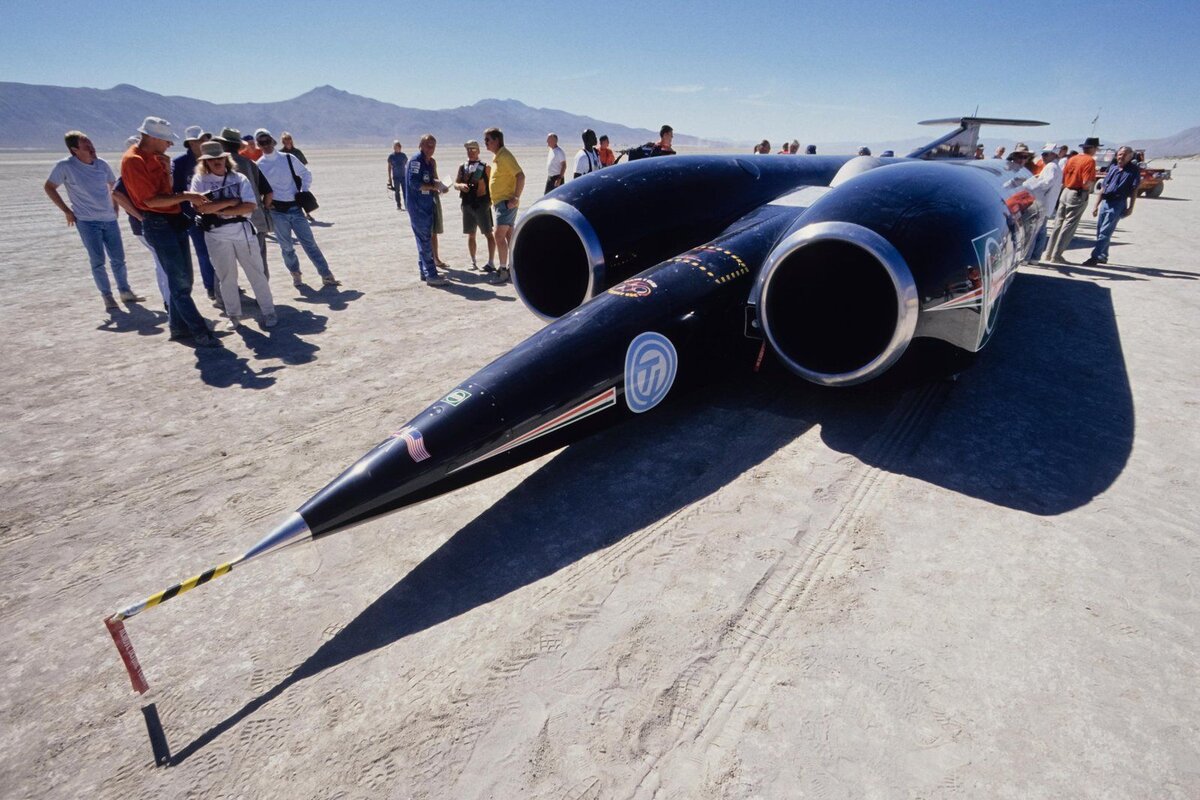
(596, 404)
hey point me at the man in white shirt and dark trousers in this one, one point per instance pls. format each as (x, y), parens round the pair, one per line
(281, 171)
(587, 159)
(556, 164)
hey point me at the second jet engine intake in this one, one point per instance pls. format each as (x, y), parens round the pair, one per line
(900, 251)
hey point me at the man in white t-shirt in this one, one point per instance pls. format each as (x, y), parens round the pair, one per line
(587, 159)
(556, 163)
(93, 212)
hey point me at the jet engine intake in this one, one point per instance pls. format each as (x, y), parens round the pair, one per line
(837, 303)
(561, 260)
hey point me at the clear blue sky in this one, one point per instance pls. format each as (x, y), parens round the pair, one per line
(817, 71)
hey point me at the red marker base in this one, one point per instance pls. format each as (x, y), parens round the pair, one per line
(116, 629)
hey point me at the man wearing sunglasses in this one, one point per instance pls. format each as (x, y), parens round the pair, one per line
(281, 171)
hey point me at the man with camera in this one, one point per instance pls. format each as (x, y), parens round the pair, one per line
(472, 185)
(288, 178)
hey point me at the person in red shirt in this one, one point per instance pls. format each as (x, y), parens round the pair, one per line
(607, 156)
(146, 175)
(249, 149)
(1079, 175)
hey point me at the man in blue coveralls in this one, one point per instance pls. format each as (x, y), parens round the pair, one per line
(1115, 202)
(420, 187)
(397, 165)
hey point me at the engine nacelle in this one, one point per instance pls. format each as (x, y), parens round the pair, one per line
(595, 232)
(900, 251)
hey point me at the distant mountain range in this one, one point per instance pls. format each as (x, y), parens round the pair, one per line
(33, 116)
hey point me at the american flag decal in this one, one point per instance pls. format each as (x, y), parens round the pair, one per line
(413, 441)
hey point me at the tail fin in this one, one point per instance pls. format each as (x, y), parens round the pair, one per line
(961, 143)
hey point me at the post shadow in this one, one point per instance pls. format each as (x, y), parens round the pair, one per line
(1042, 423)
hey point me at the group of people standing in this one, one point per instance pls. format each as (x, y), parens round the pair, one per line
(214, 198)
(489, 193)
(1063, 181)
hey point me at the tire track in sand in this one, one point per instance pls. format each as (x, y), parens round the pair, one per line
(699, 705)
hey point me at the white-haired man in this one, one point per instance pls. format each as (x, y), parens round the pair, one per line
(146, 175)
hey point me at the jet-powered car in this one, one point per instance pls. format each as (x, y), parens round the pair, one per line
(651, 271)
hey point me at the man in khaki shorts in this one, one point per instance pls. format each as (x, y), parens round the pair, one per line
(472, 185)
(506, 183)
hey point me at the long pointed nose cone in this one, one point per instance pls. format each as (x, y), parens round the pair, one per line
(615, 355)
(293, 530)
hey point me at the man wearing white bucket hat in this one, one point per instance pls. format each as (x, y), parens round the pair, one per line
(147, 181)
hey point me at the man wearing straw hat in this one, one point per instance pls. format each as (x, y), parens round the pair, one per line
(147, 181)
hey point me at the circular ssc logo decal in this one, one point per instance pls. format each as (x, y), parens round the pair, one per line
(634, 287)
(650, 364)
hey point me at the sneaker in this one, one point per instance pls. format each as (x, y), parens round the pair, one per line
(234, 322)
(474, 266)
(489, 267)
(129, 297)
(1091, 262)
(500, 277)
(329, 280)
(270, 320)
(110, 304)
(206, 340)
(437, 280)
(297, 280)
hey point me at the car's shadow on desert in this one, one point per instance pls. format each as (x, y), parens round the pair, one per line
(1042, 422)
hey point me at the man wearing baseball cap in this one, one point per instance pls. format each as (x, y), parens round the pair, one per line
(146, 174)
(1045, 186)
(283, 172)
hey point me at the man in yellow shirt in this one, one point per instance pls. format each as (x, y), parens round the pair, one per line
(506, 184)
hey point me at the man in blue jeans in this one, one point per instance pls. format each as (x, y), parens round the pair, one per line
(1115, 202)
(89, 181)
(182, 170)
(146, 176)
(281, 171)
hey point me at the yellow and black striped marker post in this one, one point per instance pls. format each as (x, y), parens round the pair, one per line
(293, 531)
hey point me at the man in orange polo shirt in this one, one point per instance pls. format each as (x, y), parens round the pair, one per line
(147, 180)
(1078, 177)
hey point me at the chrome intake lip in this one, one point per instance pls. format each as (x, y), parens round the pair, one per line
(907, 300)
(587, 237)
